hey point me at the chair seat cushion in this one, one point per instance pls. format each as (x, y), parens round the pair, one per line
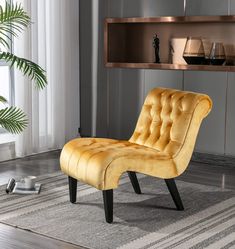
(100, 162)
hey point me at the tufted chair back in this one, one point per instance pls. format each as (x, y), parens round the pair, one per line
(166, 119)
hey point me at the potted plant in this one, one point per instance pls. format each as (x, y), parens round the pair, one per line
(13, 20)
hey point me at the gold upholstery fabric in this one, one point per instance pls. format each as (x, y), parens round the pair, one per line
(161, 145)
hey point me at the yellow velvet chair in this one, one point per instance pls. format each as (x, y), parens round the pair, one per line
(161, 146)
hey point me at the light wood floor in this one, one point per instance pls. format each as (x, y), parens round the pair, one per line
(13, 238)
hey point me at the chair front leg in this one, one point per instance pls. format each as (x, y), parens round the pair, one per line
(108, 205)
(72, 189)
(134, 182)
(174, 193)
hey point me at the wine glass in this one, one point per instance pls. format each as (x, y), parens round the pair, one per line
(217, 54)
(194, 51)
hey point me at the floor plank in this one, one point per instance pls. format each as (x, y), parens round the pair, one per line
(13, 238)
(207, 174)
(33, 165)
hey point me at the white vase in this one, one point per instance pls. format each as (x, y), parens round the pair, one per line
(177, 50)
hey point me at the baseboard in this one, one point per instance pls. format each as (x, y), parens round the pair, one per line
(219, 160)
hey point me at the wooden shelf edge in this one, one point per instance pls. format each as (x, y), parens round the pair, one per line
(164, 66)
(172, 19)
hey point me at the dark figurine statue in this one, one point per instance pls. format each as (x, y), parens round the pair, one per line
(156, 43)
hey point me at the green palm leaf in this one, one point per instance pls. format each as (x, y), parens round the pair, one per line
(13, 119)
(3, 100)
(13, 19)
(29, 68)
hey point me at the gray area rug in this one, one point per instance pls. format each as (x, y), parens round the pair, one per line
(140, 221)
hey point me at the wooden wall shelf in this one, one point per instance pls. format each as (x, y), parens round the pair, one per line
(165, 66)
(173, 19)
(128, 41)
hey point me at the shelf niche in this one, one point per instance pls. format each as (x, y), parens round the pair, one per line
(128, 41)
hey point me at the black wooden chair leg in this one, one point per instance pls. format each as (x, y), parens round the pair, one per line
(108, 205)
(72, 189)
(134, 182)
(174, 193)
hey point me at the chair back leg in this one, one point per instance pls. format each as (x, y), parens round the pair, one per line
(72, 189)
(174, 193)
(108, 205)
(134, 182)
